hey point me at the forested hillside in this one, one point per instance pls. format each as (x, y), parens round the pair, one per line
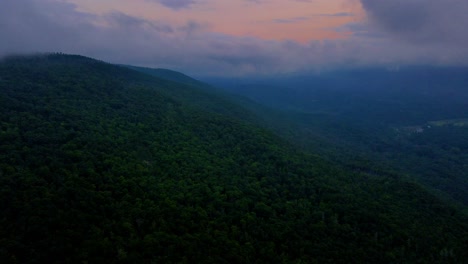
(413, 120)
(100, 163)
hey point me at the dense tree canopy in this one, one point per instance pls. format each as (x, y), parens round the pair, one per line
(99, 163)
(412, 120)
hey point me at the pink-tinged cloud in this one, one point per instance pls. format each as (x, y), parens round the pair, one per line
(241, 17)
(175, 4)
(196, 46)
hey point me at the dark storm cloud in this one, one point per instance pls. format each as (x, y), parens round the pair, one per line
(426, 22)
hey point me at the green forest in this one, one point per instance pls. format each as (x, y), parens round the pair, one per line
(102, 163)
(412, 121)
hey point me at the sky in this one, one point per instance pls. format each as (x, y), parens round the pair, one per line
(241, 37)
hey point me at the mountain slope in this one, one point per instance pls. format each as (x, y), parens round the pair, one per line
(168, 75)
(412, 120)
(99, 163)
(195, 93)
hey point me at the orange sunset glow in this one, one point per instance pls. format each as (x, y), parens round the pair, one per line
(300, 21)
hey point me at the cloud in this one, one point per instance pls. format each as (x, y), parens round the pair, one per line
(341, 14)
(175, 4)
(54, 26)
(305, 18)
(425, 22)
(123, 21)
(290, 20)
(256, 1)
(26, 27)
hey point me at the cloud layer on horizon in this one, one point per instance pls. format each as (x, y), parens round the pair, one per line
(425, 22)
(392, 35)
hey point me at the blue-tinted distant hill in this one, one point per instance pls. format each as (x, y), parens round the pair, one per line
(382, 115)
(169, 75)
(405, 96)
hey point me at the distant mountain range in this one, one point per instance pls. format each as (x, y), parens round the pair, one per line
(370, 114)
